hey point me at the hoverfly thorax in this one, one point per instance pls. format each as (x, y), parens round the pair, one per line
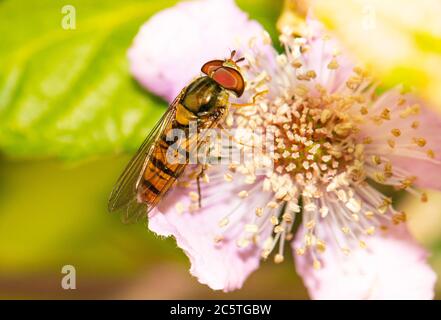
(203, 96)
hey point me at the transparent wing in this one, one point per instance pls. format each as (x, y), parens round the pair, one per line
(190, 145)
(124, 195)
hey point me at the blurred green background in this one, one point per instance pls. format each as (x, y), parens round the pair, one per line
(70, 116)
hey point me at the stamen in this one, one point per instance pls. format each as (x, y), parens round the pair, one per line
(320, 156)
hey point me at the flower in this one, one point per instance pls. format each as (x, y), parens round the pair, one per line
(333, 137)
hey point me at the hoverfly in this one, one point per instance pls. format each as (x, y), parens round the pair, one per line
(148, 176)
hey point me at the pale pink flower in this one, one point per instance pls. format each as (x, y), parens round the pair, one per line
(332, 136)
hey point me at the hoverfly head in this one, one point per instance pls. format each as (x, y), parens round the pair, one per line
(226, 73)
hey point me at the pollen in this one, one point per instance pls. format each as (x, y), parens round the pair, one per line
(396, 132)
(317, 265)
(278, 258)
(420, 142)
(243, 194)
(324, 166)
(194, 196)
(333, 64)
(224, 222)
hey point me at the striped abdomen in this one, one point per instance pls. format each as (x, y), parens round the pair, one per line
(160, 174)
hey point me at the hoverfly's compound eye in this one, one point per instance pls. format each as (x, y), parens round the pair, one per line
(209, 67)
(230, 79)
(226, 73)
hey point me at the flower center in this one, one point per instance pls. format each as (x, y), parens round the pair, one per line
(314, 137)
(322, 157)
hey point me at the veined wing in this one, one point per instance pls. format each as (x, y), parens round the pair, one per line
(124, 194)
(164, 174)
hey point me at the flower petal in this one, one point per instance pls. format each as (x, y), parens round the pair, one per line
(406, 154)
(171, 47)
(321, 51)
(223, 265)
(393, 266)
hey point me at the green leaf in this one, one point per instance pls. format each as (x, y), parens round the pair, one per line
(68, 93)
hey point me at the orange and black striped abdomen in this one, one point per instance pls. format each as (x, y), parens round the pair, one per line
(159, 174)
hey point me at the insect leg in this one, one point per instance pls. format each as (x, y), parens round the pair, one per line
(198, 178)
(253, 100)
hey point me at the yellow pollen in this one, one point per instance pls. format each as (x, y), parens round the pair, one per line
(310, 224)
(384, 206)
(287, 217)
(399, 217)
(325, 115)
(321, 246)
(379, 177)
(415, 109)
(242, 243)
(343, 129)
(296, 63)
(391, 143)
(316, 264)
(218, 239)
(265, 254)
(272, 204)
(396, 132)
(354, 82)
(370, 231)
(407, 182)
(301, 90)
(243, 194)
(333, 64)
(274, 220)
(179, 207)
(278, 258)
(385, 114)
(415, 124)
(223, 222)
(420, 142)
(376, 160)
(424, 197)
(311, 74)
(364, 110)
(194, 196)
(300, 251)
(259, 212)
(431, 154)
(228, 177)
(369, 214)
(362, 244)
(367, 140)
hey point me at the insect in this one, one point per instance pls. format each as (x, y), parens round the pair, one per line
(148, 176)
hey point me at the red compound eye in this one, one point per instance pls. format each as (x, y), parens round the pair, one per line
(230, 79)
(209, 67)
